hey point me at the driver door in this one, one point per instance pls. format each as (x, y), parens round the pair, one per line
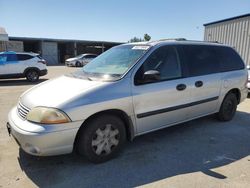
(160, 103)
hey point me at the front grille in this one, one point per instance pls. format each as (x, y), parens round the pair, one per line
(22, 110)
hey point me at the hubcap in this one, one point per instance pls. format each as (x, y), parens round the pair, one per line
(105, 140)
(32, 75)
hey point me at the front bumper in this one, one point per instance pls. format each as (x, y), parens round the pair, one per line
(39, 140)
(70, 63)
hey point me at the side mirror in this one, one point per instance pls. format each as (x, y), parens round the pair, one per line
(151, 75)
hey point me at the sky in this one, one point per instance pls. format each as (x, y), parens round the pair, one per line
(115, 20)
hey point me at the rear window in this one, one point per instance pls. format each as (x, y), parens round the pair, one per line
(40, 57)
(201, 60)
(229, 59)
(23, 57)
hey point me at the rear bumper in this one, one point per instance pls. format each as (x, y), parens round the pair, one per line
(244, 94)
(41, 142)
(43, 72)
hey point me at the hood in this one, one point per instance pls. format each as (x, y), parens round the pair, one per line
(72, 59)
(56, 92)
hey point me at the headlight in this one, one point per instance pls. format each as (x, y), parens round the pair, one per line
(47, 116)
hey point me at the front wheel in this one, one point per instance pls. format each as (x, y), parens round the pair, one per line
(102, 138)
(228, 107)
(78, 64)
(32, 75)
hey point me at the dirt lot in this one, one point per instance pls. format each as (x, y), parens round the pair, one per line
(200, 153)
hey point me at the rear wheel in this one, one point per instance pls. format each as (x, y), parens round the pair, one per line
(228, 107)
(102, 138)
(32, 75)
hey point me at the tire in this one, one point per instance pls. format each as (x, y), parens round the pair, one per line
(78, 64)
(102, 138)
(32, 75)
(228, 107)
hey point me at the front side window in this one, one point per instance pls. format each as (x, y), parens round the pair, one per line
(3, 58)
(164, 60)
(201, 60)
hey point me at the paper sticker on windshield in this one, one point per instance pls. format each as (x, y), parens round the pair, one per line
(140, 47)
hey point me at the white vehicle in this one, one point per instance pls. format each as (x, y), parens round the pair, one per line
(248, 82)
(21, 65)
(80, 60)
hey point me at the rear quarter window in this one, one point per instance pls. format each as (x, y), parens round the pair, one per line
(230, 60)
(23, 57)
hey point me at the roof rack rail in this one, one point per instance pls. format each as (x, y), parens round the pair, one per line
(215, 41)
(176, 39)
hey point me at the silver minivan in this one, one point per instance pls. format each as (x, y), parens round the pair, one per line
(129, 90)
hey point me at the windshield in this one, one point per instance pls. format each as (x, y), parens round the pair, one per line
(116, 61)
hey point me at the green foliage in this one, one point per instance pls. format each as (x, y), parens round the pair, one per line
(147, 37)
(136, 39)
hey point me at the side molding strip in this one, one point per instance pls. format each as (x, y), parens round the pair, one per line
(145, 114)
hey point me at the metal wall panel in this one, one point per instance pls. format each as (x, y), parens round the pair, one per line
(50, 52)
(16, 46)
(235, 33)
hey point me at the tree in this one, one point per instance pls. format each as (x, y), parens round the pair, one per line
(146, 37)
(136, 39)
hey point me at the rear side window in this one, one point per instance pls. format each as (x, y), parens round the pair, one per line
(11, 57)
(89, 56)
(201, 60)
(229, 59)
(23, 57)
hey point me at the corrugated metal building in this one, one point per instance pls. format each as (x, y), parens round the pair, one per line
(55, 51)
(232, 31)
(3, 39)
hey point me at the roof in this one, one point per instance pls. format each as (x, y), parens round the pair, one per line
(176, 41)
(26, 53)
(228, 19)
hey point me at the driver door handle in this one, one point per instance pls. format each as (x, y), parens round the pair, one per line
(181, 87)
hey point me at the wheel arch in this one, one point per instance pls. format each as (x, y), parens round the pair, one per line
(31, 68)
(237, 93)
(129, 126)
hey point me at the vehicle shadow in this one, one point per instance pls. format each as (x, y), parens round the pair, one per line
(20, 82)
(196, 146)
